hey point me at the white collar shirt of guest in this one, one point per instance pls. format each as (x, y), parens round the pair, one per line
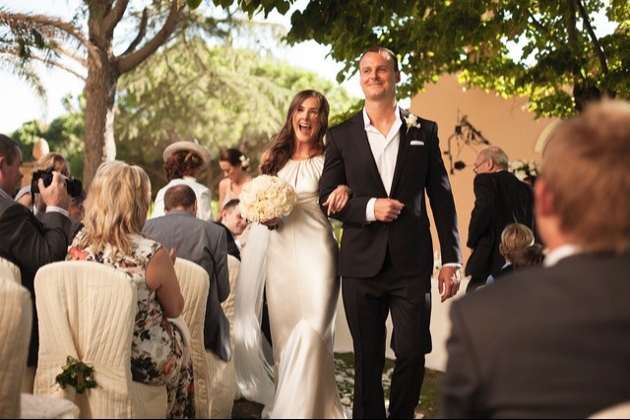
(560, 253)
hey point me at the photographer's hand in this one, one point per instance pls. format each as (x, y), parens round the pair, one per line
(56, 193)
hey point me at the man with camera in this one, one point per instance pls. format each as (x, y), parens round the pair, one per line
(26, 241)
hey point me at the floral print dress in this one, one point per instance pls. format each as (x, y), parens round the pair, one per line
(157, 347)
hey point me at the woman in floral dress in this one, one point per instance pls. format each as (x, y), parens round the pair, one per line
(116, 210)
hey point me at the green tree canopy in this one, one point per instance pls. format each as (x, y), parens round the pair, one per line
(222, 96)
(564, 61)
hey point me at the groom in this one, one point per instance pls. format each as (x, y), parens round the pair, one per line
(389, 159)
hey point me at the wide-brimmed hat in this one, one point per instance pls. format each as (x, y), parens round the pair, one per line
(193, 146)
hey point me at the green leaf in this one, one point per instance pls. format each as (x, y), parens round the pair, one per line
(193, 4)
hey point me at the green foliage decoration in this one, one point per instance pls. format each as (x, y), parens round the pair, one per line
(76, 374)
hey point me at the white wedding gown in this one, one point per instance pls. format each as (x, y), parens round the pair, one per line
(302, 293)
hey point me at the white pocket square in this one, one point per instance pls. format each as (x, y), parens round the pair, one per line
(416, 143)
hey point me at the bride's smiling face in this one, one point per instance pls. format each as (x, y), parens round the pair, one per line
(306, 123)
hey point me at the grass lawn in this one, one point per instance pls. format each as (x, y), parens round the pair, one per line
(427, 408)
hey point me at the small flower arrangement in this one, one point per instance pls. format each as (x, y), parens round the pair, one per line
(266, 197)
(524, 169)
(412, 121)
(76, 374)
(244, 161)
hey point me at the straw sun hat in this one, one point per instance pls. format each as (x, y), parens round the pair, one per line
(192, 146)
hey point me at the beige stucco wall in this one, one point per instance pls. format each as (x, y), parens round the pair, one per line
(504, 122)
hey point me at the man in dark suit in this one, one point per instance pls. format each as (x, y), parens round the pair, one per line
(204, 243)
(552, 341)
(26, 241)
(389, 159)
(500, 198)
(235, 226)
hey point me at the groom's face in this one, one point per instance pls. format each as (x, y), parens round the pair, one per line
(377, 76)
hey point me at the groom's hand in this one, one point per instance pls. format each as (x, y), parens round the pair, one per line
(449, 280)
(387, 209)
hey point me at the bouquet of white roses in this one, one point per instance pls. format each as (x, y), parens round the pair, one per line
(266, 197)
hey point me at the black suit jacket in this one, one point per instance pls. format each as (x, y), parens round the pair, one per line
(419, 170)
(544, 342)
(500, 198)
(30, 244)
(232, 249)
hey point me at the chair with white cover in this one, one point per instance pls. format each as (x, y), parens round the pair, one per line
(194, 283)
(224, 379)
(87, 310)
(617, 411)
(10, 271)
(16, 315)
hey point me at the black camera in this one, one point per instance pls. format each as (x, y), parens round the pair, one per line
(74, 186)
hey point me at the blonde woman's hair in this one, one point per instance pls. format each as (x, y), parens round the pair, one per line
(514, 238)
(116, 206)
(585, 167)
(53, 160)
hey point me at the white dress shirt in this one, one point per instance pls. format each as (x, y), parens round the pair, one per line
(385, 152)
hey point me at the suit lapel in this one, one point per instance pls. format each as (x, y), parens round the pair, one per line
(359, 136)
(403, 150)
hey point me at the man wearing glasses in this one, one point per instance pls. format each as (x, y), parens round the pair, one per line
(500, 198)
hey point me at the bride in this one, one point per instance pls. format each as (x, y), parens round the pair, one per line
(298, 262)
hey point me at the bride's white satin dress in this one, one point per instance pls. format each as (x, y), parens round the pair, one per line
(302, 293)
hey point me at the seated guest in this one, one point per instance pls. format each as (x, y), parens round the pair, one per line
(530, 256)
(203, 243)
(77, 210)
(552, 342)
(237, 228)
(115, 211)
(26, 241)
(184, 163)
(514, 238)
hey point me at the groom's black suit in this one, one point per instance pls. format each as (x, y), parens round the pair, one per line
(400, 252)
(419, 167)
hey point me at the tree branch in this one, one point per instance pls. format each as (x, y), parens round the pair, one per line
(543, 29)
(142, 31)
(65, 27)
(601, 55)
(114, 16)
(128, 62)
(59, 66)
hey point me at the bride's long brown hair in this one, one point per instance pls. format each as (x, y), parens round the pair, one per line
(283, 144)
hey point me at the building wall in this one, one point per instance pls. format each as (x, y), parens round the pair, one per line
(503, 122)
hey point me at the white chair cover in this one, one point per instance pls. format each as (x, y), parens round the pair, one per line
(10, 271)
(224, 386)
(194, 283)
(16, 315)
(617, 411)
(87, 310)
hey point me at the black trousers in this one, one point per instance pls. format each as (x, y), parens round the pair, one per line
(367, 303)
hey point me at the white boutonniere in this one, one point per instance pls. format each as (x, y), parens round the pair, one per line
(412, 121)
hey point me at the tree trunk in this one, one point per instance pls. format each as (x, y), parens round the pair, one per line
(100, 92)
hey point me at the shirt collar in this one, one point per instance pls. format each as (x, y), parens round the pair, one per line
(560, 253)
(366, 118)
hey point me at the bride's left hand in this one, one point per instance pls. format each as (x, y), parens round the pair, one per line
(338, 199)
